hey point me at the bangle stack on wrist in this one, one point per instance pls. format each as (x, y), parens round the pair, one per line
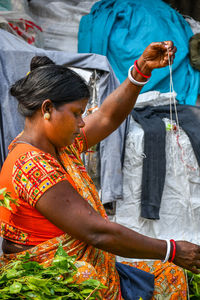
(174, 250)
(137, 69)
(169, 244)
(167, 252)
(130, 77)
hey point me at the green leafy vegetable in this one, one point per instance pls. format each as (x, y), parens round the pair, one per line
(194, 285)
(6, 199)
(26, 279)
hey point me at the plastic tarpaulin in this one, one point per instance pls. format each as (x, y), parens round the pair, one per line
(15, 57)
(59, 20)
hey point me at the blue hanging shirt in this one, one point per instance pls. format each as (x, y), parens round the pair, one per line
(122, 29)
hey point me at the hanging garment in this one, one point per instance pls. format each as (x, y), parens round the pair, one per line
(122, 29)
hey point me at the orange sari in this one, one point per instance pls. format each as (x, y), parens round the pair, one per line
(31, 173)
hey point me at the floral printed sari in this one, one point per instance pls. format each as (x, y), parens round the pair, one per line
(33, 172)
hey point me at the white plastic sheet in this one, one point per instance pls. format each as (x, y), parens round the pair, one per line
(20, 24)
(180, 204)
(195, 25)
(59, 21)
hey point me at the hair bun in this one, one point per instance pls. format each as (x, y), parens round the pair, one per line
(40, 61)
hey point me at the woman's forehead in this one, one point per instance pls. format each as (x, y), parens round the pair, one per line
(79, 104)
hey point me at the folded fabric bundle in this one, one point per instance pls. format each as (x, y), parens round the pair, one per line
(135, 283)
(195, 51)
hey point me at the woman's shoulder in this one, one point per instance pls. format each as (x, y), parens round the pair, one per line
(25, 157)
(33, 173)
(20, 151)
(37, 159)
(15, 152)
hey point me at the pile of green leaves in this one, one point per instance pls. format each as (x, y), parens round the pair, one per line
(6, 199)
(26, 279)
(193, 285)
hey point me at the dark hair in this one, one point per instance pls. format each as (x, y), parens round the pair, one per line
(40, 61)
(47, 80)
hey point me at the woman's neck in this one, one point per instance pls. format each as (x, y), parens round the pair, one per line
(34, 135)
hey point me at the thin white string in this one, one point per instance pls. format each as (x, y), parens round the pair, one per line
(171, 90)
(172, 94)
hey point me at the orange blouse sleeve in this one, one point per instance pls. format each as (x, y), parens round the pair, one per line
(34, 173)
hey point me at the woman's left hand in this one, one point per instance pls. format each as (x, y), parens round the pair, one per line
(157, 54)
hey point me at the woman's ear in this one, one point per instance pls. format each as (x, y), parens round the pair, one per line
(46, 109)
(47, 106)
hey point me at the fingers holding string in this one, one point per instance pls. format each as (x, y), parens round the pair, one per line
(168, 51)
(166, 44)
(170, 46)
(171, 50)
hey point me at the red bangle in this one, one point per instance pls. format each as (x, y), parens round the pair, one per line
(174, 250)
(86, 142)
(136, 67)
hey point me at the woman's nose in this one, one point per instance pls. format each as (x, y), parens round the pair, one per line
(81, 123)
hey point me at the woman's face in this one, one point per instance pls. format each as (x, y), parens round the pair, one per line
(65, 123)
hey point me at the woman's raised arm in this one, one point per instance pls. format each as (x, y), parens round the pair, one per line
(119, 104)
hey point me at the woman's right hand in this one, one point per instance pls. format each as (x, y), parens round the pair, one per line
(157, 55)
(188, 256)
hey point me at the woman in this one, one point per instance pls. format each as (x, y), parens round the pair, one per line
(57, 199)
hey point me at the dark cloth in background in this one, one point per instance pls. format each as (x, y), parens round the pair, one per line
(190, 8)
(135, 283)
(194, 46)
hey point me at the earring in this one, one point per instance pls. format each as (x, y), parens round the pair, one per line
(47, 116)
